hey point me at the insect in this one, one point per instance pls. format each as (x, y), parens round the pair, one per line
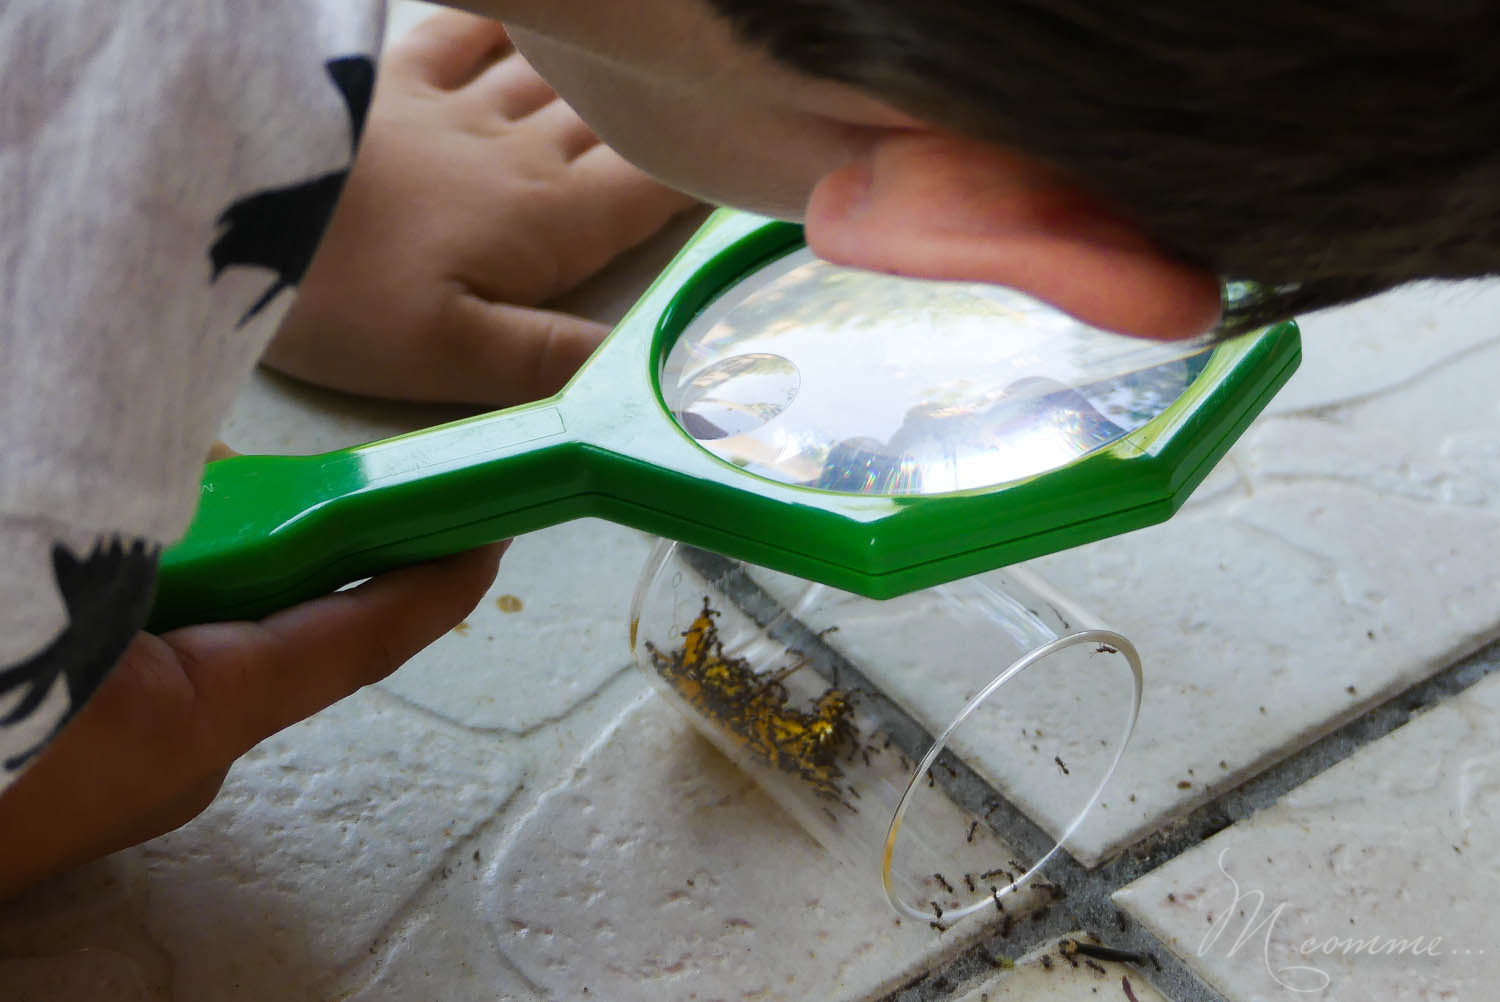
(1105, 649)
(972, 828)
(946, 886)
(753, 708)
(1061, 764)
(969, 882)
(1103, 952)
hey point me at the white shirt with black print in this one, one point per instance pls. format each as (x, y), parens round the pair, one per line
(166, 170)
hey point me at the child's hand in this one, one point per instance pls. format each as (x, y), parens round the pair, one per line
(476, 195)
(149, 751)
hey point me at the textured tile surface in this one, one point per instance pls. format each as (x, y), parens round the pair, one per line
(1341, 552)
(1046, 973)
(541, 641)
(332, 828)
(1375, 880)
(660, 872)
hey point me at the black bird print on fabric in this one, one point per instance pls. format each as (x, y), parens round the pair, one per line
(107, 595)
(279, 228)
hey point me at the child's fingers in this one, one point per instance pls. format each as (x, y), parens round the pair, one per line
(448, 49)
(150, 750)
(511, 87)
(253, 679)
(504, 354)
(624, 204)
(562, 127)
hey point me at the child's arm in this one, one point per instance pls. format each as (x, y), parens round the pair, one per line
(476, 196)
(462, 207)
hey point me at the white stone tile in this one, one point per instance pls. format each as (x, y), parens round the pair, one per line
(1046, 975)
(440, 937)
(439, 950)
(1366, 348)
(1374, 880)
(661, 873)
(1341, 553)
(319, 839)
(552, 629)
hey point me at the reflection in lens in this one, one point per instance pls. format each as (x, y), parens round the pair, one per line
(1035, 424)
(735, 395)
(849, 381)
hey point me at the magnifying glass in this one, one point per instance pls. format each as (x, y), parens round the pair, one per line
(875, 434)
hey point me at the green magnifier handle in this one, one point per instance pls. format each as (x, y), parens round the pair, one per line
(275, 530)
(272, 531)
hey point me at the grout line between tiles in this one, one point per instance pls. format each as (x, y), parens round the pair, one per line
(1083, 898)
(1088, 906)
(962, 785)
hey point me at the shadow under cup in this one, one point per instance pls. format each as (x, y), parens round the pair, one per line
(949, 741)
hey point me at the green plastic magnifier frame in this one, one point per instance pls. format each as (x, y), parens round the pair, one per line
(275, 530)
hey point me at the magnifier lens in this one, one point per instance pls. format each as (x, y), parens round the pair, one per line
(811, 374)
(946, 742)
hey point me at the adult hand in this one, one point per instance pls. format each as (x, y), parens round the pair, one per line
(149, 751)
(476, 195)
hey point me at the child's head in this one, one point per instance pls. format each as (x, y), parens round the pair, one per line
(1329, 148)
(1337, 146)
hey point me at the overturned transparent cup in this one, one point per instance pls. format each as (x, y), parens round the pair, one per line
(951, 740)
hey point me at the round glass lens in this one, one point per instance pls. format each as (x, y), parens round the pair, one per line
(811, 374)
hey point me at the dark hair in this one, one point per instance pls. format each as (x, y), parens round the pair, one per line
(1325, 149)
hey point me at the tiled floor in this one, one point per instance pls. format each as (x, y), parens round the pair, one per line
(1376, 880)
(516, 815)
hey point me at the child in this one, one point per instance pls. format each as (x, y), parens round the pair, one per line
(1111, 159)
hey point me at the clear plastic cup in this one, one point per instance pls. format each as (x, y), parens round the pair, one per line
(947, 742)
